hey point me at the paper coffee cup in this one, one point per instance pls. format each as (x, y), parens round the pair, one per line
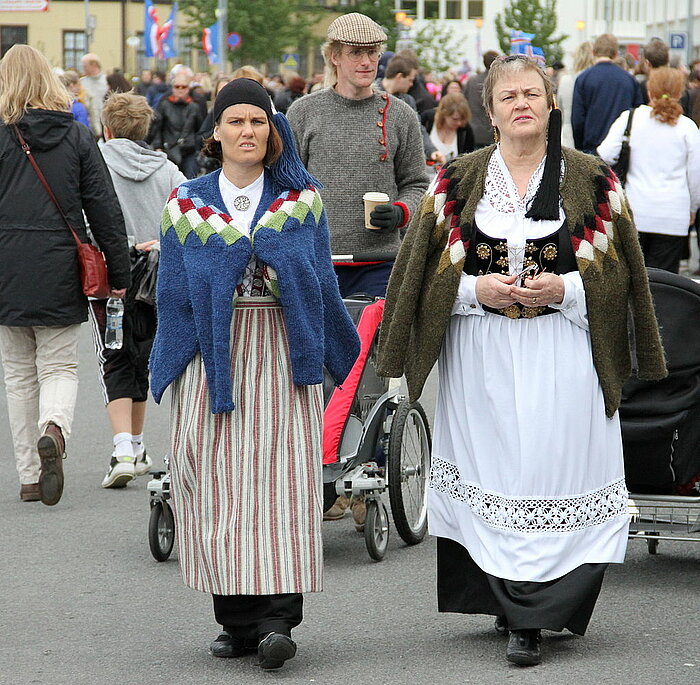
(371, 200)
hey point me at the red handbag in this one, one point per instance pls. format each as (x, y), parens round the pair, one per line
(91, 262)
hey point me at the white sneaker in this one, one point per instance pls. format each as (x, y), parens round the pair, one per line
(143, 464)
(121, 471)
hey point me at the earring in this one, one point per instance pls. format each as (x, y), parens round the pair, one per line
(496, 135)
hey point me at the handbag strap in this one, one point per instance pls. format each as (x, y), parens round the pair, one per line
(628, 128)
(44, 182)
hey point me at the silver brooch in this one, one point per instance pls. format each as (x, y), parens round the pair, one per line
(242, 203)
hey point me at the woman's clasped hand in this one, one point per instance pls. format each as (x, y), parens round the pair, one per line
(498, 291)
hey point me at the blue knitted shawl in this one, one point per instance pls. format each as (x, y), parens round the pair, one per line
(203, 257)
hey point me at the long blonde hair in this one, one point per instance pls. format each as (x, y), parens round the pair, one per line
(27, 81)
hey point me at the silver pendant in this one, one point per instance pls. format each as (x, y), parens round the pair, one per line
(242, 203)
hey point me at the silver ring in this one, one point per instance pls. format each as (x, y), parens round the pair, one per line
(534, 300)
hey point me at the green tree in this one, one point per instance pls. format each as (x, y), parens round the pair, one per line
(437, 48)
(532, 16)
(268, 28)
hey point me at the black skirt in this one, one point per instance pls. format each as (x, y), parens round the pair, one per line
(566, 602)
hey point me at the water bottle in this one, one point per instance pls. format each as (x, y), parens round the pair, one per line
(114, 333)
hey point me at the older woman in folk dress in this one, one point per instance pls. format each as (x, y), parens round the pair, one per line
(527, 492)
(249, 313)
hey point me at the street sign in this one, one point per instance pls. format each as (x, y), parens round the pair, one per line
(678, 40)
(24, 5)
(290, 61)
(234, 40)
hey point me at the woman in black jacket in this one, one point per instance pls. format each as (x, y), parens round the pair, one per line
(448, 125)
(177, 121)
(41, 299)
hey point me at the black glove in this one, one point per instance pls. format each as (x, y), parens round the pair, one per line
(386, 217)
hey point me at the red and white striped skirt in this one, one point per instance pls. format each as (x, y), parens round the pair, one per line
(246, 485)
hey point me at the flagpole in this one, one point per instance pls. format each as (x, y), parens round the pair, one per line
(222, 47)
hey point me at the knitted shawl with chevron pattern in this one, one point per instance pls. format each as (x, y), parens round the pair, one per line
(426, 274)
(203, 256)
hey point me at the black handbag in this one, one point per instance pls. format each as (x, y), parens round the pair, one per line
(621, 167)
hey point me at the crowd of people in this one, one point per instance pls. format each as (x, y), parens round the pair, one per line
(508, 249)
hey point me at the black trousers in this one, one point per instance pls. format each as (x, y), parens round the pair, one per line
(251, 617)
(663, 251)
(566, 602)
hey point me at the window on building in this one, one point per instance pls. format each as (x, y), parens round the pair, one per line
(453, 9)
(73, 49)
(11, 35)
(431, 9)
(410, 7)
(475, 9)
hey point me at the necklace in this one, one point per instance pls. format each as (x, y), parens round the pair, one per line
(242, 203)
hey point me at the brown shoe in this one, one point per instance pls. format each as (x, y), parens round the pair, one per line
(30, 492)
(337, 511)
(359, 512)
(52, 449)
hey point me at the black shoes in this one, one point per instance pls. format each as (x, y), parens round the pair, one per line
(524, 647)
(274, 649)
(228, 647)
(501, 625)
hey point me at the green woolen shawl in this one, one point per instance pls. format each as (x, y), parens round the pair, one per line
(426, 275)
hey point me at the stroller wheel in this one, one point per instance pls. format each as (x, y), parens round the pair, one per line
(376, 529)
(408, 468)
(161, 531)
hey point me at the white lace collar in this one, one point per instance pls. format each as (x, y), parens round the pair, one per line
(500, 189)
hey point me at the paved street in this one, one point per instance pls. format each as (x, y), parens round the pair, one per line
(83, 602)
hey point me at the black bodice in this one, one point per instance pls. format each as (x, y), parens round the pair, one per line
(552, 253)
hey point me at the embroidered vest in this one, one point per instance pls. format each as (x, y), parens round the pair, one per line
(552, 253)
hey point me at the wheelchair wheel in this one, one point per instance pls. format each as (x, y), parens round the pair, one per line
(376, 529)
(161, 531)
(408, 468)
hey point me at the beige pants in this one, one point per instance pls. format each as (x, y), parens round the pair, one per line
(41, 381)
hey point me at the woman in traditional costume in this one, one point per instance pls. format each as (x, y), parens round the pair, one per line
(518, 274)
(248, 315)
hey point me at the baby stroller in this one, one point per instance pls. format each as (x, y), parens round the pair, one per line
(374, 441)
(661, 423)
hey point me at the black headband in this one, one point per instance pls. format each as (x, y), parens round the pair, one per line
(242, 91)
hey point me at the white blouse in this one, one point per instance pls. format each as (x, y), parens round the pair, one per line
(663, 181)
(449, 150)
(230, 191)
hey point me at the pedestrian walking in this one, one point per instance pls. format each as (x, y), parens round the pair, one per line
(449, 127)
(71, 80)
(663, 178)
(177, 121)
(518, 278)
(41, 299)
(95, 87)
(583, 58)
(356, 141)
(248, 314)
(473, 91)
(143, 180)
(601, 93)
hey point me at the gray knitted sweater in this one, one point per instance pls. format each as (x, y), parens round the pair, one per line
(339, 142)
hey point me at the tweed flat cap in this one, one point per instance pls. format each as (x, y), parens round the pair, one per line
(356, 29)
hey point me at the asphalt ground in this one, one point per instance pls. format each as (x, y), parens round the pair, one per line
(82, 601)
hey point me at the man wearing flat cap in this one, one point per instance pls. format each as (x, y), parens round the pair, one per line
(357, 141)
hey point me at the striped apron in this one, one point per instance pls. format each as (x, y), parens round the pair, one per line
(246, 485)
